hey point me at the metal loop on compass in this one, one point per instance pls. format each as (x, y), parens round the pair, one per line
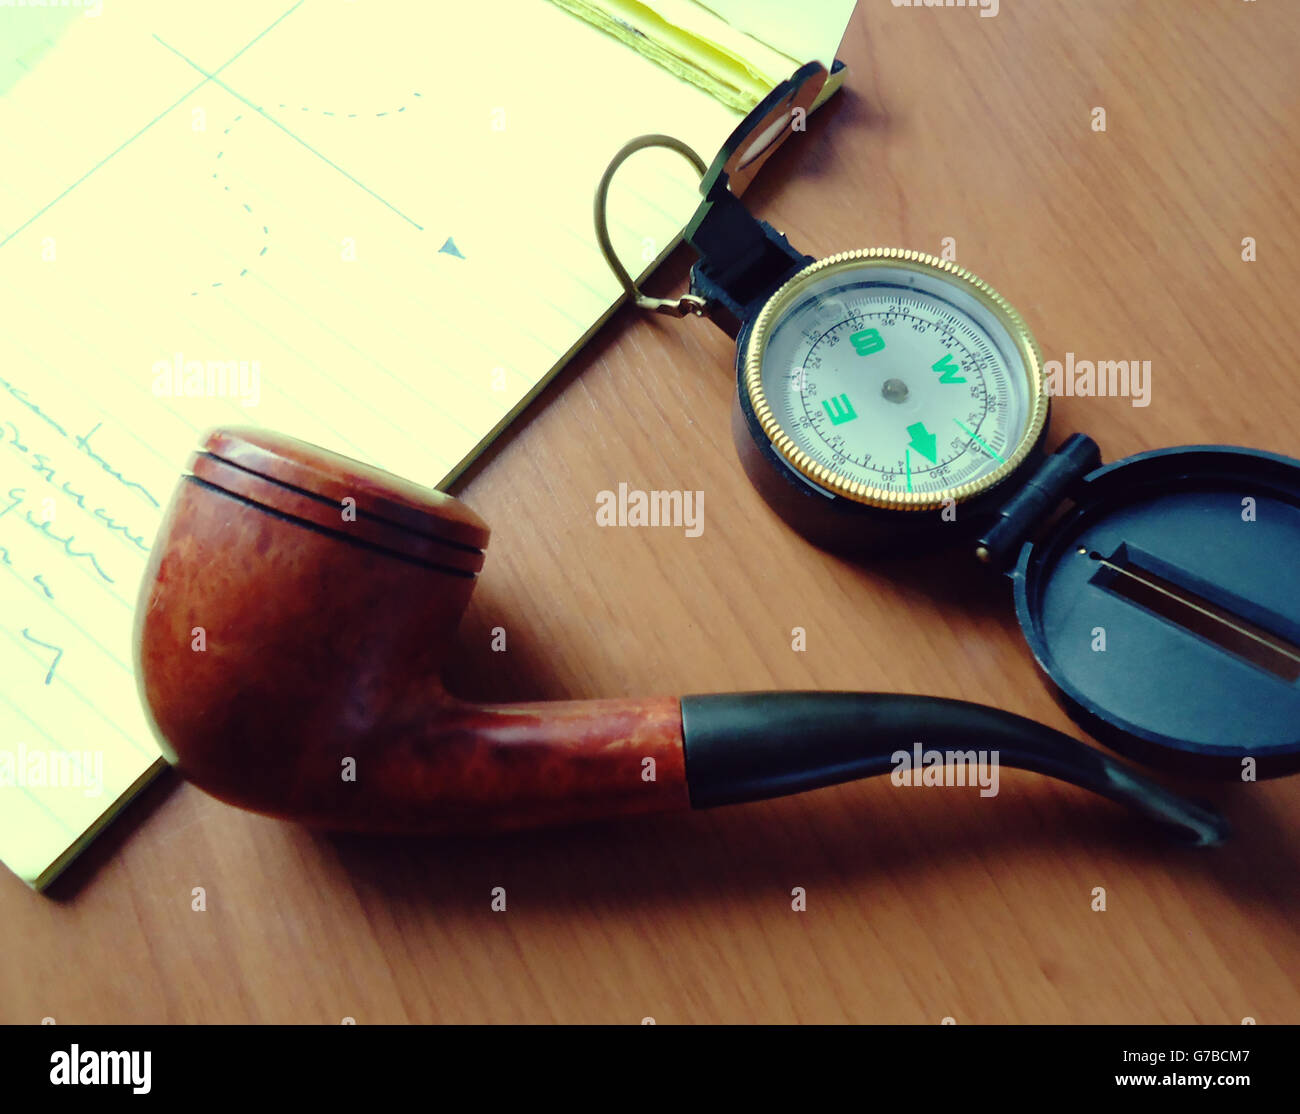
(675, 307)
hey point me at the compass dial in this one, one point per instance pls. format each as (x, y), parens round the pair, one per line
(896, 379)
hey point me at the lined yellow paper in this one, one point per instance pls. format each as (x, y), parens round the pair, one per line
(367, 225)
(734, 50)
(812, 35)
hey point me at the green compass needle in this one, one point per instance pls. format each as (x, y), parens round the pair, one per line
(923, 441)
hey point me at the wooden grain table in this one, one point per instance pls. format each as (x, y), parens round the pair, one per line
(1118, 244)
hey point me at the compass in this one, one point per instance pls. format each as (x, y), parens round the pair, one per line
(885, 396)
(894, 379)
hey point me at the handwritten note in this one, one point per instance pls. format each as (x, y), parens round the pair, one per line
(77, 505)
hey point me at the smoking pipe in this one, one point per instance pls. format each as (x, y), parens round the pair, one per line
(296, 612)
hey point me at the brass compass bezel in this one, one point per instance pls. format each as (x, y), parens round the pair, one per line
(904, 259)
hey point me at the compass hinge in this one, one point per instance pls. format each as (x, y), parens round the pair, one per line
(1036, 499)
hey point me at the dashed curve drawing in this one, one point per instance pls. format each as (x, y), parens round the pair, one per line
(264, 231)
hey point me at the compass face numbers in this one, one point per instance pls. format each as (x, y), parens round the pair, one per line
(895, 379)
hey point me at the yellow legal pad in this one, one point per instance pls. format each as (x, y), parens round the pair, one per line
(365, 224)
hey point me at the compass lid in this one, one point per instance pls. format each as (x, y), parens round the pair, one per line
(1165, 608)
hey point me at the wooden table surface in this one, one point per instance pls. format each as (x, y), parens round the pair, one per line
(1118, 244)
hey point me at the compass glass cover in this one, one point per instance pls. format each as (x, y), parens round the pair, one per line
(903, 378)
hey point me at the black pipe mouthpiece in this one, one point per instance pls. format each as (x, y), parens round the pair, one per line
(752, 746)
